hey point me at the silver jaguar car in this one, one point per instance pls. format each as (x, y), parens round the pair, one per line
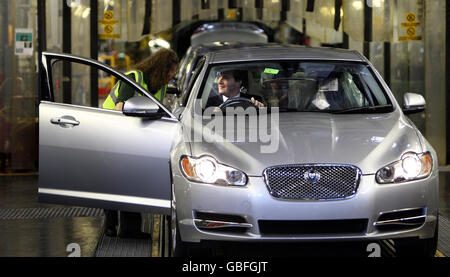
(327, 154)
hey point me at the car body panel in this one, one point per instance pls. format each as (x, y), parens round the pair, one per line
(254, 203)
(101, 158)
(97, 157)
(285, 52)
(367, 141)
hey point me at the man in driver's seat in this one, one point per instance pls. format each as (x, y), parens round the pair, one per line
(229, 86)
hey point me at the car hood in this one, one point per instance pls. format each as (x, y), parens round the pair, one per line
(368, 141)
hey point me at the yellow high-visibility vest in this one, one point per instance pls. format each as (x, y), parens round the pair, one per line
(110, 102)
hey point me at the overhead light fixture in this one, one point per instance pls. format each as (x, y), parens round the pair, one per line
(357, 5)
(73, 3)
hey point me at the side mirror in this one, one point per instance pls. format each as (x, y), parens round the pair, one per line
(141, 106)
(413, 103)
(172, 88)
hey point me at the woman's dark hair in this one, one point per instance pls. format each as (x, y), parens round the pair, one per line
(157, 67)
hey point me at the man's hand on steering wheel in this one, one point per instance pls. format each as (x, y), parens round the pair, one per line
(257, 103)
(240, 102)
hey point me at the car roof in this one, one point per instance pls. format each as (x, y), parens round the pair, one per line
(214, 26)
(273, 51)
(216, 46)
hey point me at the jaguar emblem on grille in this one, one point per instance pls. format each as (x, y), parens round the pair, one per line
(311, 176)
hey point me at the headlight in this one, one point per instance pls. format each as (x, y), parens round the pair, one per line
(410, 167)
(207, 170)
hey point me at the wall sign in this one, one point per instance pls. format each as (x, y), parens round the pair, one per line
(108, 23)
(411, 28)
(24, 42)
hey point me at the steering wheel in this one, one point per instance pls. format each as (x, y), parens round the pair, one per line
(236, 102)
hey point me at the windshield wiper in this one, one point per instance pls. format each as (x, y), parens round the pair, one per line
(370, 109)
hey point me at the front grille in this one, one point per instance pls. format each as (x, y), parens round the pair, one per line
(312, 182)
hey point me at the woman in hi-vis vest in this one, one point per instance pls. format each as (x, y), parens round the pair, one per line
(153, 74)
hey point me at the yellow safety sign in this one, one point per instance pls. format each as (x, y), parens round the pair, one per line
(410, 25)
(108, 15)
(411, 17)
(108, 23)
(231, 14)
(108, 18)
(109, 29)
(411, 31)
(410, 21)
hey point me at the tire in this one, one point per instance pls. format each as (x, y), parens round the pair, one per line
(415, 247)
(177, 247)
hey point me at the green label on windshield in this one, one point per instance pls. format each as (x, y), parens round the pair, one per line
(271, 71)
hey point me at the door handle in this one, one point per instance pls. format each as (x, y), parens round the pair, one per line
(64, 121)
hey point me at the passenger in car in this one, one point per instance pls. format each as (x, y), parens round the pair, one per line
(275, 89)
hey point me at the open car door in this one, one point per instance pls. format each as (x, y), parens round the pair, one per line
(94, 157)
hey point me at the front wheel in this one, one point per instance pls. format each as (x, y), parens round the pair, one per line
(177, 247)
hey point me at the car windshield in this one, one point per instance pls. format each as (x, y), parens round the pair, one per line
(301, 86)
